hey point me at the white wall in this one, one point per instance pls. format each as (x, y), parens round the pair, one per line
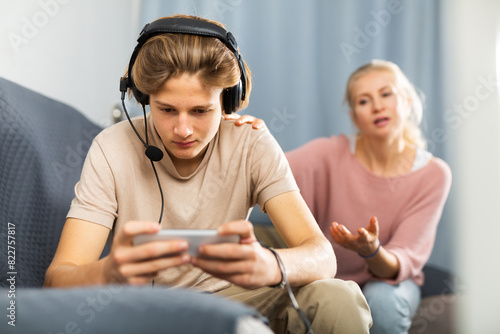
(471, 58)
(73, 51)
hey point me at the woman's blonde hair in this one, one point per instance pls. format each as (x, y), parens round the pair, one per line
(169, 55)
(411, 133)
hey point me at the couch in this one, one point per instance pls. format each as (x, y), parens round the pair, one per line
(43, 144)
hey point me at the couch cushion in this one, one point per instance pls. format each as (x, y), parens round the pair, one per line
(122, 309)
(43, 145)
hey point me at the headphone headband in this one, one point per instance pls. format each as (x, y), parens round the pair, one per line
(180, 25)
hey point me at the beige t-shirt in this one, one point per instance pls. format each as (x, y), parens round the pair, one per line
(242, 167)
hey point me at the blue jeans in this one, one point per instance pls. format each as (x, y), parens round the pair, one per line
(392, 306)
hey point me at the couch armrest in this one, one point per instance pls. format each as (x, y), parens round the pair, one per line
(122, 309)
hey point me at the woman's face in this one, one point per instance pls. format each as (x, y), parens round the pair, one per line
(379, 109)
(186, 115)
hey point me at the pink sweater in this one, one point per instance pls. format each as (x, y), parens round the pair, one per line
(338, 188)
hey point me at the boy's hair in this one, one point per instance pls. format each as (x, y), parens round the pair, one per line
(169, 55)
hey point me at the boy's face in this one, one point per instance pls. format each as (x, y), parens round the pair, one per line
(186, 115)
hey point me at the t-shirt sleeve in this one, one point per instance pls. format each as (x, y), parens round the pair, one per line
(95, 199)
(270, 172)
(310, 165)
(413, 239)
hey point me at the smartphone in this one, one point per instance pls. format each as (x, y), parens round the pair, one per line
(194, 237)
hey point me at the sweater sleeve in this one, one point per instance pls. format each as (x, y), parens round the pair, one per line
(413, 238)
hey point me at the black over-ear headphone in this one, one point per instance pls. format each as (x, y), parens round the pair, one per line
(232, 96)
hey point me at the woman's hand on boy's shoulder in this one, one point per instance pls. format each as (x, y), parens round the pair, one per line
(257, 123)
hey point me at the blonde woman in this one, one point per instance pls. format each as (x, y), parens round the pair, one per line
(377, 195)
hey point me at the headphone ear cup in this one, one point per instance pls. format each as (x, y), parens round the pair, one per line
(231, 98)
(140, 96)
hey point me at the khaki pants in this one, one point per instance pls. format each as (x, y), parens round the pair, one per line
(331, 305)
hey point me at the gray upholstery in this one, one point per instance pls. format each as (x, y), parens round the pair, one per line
(43, 144)
(437, 308)
(120, 309)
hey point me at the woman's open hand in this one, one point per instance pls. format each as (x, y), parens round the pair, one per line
(365, 243)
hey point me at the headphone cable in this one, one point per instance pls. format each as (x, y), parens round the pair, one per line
(153, 165)
(146, 144)
(286, 284)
